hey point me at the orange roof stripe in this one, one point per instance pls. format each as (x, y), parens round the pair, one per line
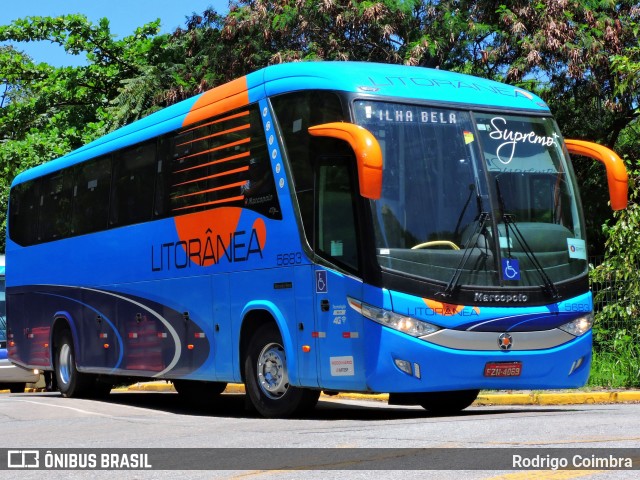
(226, 97)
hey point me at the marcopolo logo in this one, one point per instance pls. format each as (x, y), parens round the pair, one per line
(500, 297)
(505, 341)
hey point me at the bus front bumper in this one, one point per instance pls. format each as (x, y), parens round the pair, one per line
(396, 362)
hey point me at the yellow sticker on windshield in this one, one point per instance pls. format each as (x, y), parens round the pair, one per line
(468, 137)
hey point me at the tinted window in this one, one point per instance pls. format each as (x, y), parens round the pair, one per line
(91, 196)
(56, 196)
(133, 184)
(23, 215)
(221, 162)
(337, 226)
(296, 112)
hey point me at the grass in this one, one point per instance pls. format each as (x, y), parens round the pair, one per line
(617, 368)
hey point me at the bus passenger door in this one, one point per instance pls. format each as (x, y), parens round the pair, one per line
(339, 344)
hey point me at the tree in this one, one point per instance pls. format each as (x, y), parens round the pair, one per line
(190, 61)
(576, 55)
(580, 55)
(48, 111)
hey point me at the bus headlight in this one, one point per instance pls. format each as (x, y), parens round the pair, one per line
(579, 326)
(402, 323)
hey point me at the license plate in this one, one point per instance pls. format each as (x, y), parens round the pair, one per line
(503, 369)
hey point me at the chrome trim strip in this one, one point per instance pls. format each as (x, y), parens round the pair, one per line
(476, 341)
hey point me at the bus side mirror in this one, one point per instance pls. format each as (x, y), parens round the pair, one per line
(367, 151)
(616, 172)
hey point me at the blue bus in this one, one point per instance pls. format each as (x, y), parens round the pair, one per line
(316, 226)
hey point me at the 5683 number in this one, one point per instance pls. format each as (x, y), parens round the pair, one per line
(286, 259)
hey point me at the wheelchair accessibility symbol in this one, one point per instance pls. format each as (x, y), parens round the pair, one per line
(510, 269)
(321, 281)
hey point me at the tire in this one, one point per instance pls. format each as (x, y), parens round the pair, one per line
(71, 382)
(447, 403)
(267, 377)
(16, 387)
(197, 391)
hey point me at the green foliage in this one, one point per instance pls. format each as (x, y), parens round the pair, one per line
(616, 361)
(616, 285)
(48, 111)
(622, 253)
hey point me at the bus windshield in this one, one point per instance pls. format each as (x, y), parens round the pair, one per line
(486, 198)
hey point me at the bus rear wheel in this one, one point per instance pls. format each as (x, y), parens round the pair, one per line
(267, 377)
(447, 403)
(71, 382)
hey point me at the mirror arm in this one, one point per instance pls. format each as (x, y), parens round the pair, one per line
(367, 151)
(616, 171)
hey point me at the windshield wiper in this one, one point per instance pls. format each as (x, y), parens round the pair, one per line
(472, 189)
(510, 223)
(455, 278)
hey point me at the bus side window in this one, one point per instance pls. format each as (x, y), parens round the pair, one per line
(91, 196)
(176, 151)
(133, 181)
(23, 215)
(204, 164)
(220, 162)
(336, 232)
(296, 112)
(161, 195)
(259, 188)
(55, 206)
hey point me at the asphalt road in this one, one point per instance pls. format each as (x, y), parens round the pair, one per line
(142, 420)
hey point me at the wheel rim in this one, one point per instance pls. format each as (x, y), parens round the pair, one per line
(272, 371)
(64, 366)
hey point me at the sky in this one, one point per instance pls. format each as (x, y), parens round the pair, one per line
(124, 17)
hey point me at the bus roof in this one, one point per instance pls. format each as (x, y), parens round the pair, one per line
(370, 79)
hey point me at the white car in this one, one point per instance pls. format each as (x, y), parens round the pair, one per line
(12, 377)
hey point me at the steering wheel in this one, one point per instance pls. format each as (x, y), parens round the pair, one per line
(436, 243)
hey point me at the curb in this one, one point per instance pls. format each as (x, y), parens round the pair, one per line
(571, 398)
(506, 398)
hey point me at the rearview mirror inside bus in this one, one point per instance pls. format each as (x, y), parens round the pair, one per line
(367, 151)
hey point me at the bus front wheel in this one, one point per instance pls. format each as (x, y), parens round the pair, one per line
(71, 382)
(447, 403)
(267, 377)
